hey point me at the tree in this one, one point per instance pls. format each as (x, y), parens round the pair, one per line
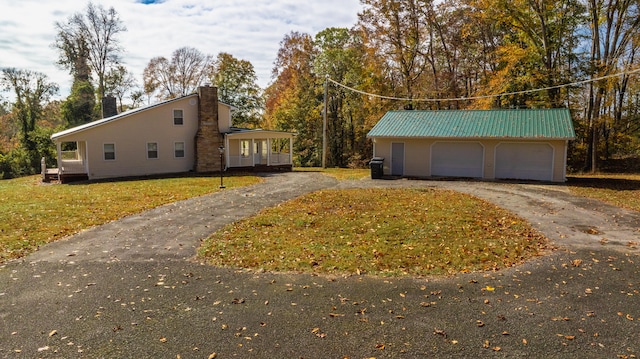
(237, 86)
(91, 38)
(80, 105)
(614, 46)
(31, 90)
(293, 100)
(181, 76)
(537, 49)
(341, 56)
(119, 82)
(397, 29)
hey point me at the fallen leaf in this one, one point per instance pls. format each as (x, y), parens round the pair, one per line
(480, 323)
(439, 332)
(496, 349)
(489, 288)
(53, 332)
(380, 346)
(486, 344)
(212, 356)
(569, 337)
(524, 341)
(163, 340)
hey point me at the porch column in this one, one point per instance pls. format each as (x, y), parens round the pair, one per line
(85, 155)
(59, 159)
(268, 152)
(291, 150)
(252, 151)
(225, 143)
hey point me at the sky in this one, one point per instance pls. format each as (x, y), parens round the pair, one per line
(247, 29)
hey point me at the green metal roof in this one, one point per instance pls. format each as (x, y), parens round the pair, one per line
(531, 123)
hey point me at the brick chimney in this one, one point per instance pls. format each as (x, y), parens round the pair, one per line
(208, 137)
(109, 106)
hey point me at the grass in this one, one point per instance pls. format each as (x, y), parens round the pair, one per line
(342, 174)
(622, 190)
(377, 231)
(32, 213)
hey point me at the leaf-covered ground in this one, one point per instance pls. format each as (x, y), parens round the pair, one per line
(32, 213)
(379, 231)
(622, 190)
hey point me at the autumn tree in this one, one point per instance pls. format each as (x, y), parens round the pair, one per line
(237, 86)
(31, 90)
(342, 57)
(614, 48)
(293, 100)
(180, 76)
(398, 31)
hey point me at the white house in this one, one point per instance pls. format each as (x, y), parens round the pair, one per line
(180, 135)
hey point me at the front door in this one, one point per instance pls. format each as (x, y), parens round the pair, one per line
(261, 152)
(397, 159)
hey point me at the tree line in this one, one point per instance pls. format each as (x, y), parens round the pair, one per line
(448, 52)
(460, 49)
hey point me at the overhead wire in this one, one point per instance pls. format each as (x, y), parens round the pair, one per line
(577, 83)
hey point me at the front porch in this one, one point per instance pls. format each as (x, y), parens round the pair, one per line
(72, 163)
(259, 150)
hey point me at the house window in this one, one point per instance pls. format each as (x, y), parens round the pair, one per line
(152, 150)
(244, 148)
(109, 150)
(178, 117)
(178, 150)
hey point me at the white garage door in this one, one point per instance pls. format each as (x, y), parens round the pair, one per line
(457, 159)
(532, 161)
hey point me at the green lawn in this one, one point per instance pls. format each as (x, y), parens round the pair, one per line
(33, 213)
(622, 190)
(378, 231)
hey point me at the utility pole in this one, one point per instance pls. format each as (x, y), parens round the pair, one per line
(324, 122)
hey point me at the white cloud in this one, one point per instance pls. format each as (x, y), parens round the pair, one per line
(249, 30)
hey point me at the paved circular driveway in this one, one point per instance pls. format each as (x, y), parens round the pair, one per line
(132, 289)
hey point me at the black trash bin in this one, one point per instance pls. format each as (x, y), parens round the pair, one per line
(376, 164)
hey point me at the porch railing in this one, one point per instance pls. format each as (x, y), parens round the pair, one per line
(246, 161)
(72, 166)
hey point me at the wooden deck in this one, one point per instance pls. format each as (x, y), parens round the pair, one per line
(50, 175)
(53, 175)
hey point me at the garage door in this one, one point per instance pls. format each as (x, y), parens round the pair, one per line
(532, 161)
(457, 159)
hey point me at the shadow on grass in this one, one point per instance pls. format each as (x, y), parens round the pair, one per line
(618, 184)
(215, 175)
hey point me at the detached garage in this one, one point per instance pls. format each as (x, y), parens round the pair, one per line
(489, 144)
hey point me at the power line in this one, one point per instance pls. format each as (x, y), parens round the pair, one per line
(483, 96)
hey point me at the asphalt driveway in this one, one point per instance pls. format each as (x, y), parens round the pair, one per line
(132, 289)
